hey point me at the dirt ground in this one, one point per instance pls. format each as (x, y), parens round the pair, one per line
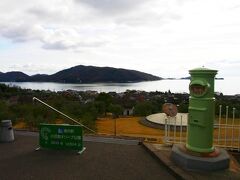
(128, 126)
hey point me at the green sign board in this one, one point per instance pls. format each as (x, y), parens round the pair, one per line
(61, 136)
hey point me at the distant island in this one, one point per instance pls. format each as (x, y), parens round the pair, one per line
(82, 74)
(184, 78)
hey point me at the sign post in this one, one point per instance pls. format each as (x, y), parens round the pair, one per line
(61, 136)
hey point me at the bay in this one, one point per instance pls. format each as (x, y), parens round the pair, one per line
(228, 86)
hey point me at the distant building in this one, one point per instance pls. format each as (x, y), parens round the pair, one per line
(128, 111)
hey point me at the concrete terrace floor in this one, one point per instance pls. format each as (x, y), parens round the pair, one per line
(103, 160)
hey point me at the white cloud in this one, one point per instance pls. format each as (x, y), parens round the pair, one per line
(50, 26)
(46, 12)
(112, 7)
(70, 38)
(162, 37)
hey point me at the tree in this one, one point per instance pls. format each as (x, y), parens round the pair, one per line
(3, 110)
(106, 99)
(116, 110)
(183, 108)
(143, 108)
(101, 107)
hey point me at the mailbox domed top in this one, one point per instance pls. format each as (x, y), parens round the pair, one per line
(203, 70)
(202, 82)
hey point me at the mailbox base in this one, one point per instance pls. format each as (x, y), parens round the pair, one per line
(203, 150)
(196, 163)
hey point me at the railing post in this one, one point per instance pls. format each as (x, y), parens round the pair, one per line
(174, 130)
(115, 127)
(233, 127)
(181, 131)
(165, 130)
(168, 128)
(219, 123)
(226, 123)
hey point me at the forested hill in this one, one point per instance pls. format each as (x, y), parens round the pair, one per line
(13, 76)
(82, 74)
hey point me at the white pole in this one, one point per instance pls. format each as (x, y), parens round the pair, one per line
(166, 131)
(219, 123)
(168, 128)
(181, 131)
(233, 127)
(34, 98)
(175, 129)
(226, 125)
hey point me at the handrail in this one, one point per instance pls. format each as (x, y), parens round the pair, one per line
(34, 98)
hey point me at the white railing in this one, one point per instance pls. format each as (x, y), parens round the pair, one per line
(175, 132)
(226, 131)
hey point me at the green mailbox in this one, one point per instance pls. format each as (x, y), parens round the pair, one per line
(201, 110)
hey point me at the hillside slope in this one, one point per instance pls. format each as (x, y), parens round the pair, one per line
(83, 74)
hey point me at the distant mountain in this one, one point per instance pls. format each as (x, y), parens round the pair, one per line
(13, 76)
(38, 78)
(82, 74)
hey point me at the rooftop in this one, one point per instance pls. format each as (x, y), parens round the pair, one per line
(104, 158)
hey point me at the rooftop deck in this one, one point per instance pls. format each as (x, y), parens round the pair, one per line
(104, 158)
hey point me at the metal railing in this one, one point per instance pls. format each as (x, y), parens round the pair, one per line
(226, 131)
(175, 133)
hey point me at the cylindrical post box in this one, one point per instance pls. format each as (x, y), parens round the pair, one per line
(6, 131)
(201, 110)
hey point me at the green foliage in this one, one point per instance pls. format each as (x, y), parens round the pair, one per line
(101, 107)
(183, 108)
(224, 102)
(87, 113)
(143, 108)
(3, 110)
(156, 106)
(116, 110)
(35, 113)
(3, 88)
(105, 98)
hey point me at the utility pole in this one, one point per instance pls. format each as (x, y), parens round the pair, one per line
(115, 127)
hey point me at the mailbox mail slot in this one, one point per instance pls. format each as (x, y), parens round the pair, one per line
(197, 116)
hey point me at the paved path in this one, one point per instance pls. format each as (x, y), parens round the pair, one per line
(110, 140)
(103, 161)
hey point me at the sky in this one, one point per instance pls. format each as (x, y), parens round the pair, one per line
(166, 38)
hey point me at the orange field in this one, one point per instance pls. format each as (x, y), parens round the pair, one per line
(131, 127)
(20, 125)
(128, 126)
